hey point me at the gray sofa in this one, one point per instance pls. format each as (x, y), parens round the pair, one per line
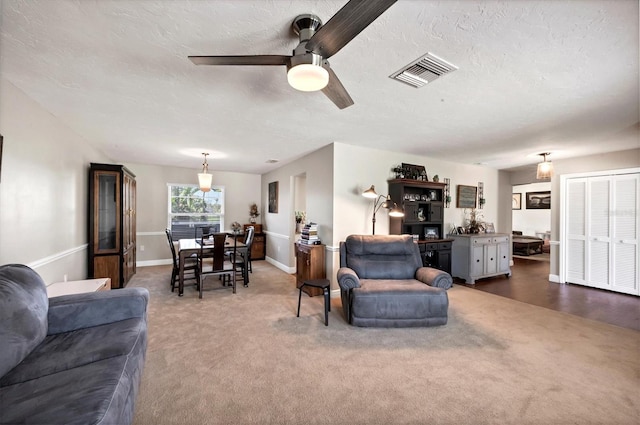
(74, 359)
(383, 284)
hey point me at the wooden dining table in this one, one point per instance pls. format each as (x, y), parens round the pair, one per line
(188, 247)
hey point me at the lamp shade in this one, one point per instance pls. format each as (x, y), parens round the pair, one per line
(308, 77)
(396, 211)
(205, 180)
(545, 168)
(370, 193)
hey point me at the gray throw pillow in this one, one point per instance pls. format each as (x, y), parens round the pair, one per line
(23, 314)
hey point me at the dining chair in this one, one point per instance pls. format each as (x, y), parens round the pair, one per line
(212, 246)
(191, 264)
(201, 230)
(238, 260)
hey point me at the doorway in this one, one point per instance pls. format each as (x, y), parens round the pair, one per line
(531, 221)
(299, 203)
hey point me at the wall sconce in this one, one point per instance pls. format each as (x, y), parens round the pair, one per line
(545, 168)
(447, 192)
(381, 201)
(205, 179)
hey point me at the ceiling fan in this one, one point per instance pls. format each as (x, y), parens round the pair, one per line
(308, 68)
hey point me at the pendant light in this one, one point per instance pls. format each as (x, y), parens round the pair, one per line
(545, 168)
(205, 179)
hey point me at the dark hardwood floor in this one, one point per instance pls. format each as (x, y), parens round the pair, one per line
(529, 283)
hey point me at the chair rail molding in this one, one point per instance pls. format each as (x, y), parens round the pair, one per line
(58, 256)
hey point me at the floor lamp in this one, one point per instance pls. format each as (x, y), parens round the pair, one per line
(381, 201)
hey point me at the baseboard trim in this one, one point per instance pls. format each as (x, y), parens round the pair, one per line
(279, 265)
(554, 278)
(149, 263)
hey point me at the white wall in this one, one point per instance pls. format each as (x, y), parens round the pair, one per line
(357, 168)
(601, 162)
(241, 190)
(530, 221)
(280, 227)
(44, 193)
(43, 189)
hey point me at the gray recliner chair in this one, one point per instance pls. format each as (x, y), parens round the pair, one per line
(383, 283)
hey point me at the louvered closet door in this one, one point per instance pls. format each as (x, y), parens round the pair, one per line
(576, 230)
(625, 233)
(598, 232)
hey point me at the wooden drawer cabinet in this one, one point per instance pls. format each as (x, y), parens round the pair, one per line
(259, 246)
(436, 254)
(478, 256)
(309, 265)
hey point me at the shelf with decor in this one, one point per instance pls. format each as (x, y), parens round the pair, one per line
(423, 204)
(423, 207)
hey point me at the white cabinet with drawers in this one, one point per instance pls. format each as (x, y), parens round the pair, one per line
(483, 255)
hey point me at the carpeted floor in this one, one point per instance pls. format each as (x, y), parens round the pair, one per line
(247, 359)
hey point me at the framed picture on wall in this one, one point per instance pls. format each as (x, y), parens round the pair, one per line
(273, 197)
(538, 200)
(516, 201)
(467, 196)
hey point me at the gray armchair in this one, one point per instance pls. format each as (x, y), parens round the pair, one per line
(383, 283)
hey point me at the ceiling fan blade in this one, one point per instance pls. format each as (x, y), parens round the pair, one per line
(241, 60)
(345, 25)
(335, 91)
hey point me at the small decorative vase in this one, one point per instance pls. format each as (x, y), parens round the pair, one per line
(252, 220)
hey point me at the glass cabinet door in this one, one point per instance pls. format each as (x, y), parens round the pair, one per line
(107, 224)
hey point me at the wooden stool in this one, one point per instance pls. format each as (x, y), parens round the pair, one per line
(318, 283)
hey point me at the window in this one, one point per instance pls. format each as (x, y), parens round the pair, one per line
(190, 210)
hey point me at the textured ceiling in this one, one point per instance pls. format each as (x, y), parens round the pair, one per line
(534, 76)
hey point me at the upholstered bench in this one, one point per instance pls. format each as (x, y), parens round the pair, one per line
(383, 283)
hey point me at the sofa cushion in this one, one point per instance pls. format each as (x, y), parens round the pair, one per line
(97, 393)
(382, 257)
(68, 350)
(397, 303)
(23, 314)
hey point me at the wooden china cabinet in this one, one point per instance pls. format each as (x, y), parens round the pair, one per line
(423, 205)
(112, 223)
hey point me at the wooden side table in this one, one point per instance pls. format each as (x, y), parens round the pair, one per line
(324, 285)
(309, 265)
(78, 287)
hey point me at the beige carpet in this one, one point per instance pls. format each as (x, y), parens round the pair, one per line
(247, 359)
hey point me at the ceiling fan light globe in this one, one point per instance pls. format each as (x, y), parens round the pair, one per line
(308, 77)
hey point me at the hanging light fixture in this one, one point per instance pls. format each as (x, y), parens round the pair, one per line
(545, 168)
(205, 179)
(307, 73)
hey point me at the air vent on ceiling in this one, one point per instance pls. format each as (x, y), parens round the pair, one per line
(423, 70)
